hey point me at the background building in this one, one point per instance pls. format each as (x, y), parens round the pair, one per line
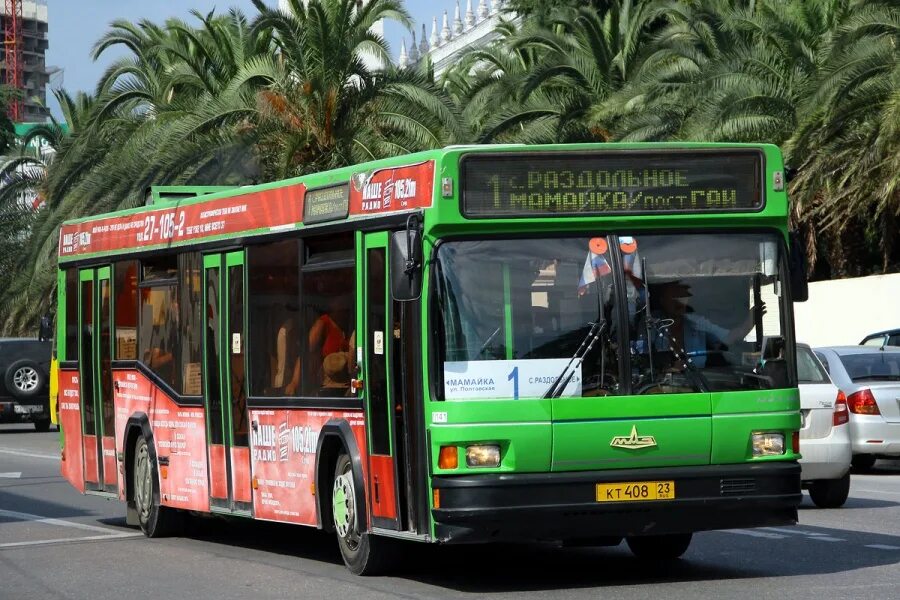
(450, 37)
(33, 46)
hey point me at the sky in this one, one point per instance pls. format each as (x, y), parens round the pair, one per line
(76, 24)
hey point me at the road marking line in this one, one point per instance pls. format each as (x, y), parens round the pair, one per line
(28, 454)
(882, 546)
(752, 533)
(20, 516)
(813, 535)
(787, 531)
(11, 475)
(89, 538)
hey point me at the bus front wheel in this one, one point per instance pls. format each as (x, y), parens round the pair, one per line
(660, 547)
(363, 553)
(154, 520)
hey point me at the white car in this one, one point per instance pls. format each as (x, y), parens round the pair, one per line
(824, 433)
(870, 376)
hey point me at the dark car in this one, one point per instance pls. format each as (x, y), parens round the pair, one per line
(24, 377)
(890, 337)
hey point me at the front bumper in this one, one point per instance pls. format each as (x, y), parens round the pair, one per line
(563, 506)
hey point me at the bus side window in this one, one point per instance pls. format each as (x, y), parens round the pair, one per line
(328, 295)
(71, 315)
(158, 346)
(126, 309)
(190, 324)
(275, 335)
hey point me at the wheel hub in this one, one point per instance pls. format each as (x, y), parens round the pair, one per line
(344, 508)
(25, 379)
(143, 484)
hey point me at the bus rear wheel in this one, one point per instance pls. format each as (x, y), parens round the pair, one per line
(154, 520)
(363, 553)
(660, 547)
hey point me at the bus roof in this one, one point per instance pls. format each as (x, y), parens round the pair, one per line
(180, 215)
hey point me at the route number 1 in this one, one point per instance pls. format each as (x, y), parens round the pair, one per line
(514, 377)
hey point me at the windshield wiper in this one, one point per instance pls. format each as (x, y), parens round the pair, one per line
(563, 379)
(487, 342)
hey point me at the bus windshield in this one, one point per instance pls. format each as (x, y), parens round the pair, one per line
(704, 312)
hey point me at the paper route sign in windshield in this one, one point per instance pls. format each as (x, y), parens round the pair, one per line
(523, 378)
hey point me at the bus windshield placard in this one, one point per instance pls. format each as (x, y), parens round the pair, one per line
(561, 184)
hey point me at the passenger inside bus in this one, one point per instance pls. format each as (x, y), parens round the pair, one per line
(328, 337)
(335, 375)
(286, 360)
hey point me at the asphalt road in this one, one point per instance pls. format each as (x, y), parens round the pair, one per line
(55, 543)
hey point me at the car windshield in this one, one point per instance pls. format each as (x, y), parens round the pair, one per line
(809, 369)
(872, 366)
(703, 312)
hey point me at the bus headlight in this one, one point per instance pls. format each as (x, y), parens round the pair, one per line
(483, 455)
(767, 443)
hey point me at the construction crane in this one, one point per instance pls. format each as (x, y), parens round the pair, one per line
(12, 43)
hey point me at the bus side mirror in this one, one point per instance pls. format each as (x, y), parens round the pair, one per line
(406, 263)
(798, 268)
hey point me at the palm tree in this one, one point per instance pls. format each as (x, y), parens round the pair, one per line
(848, 147)
(559, 72)
(326, 106)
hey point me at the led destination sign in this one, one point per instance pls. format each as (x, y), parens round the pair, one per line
(326, 204)
(602, 183)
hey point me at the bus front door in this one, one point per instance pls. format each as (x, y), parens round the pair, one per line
(225, 386)
(390, 358)
(95, 376)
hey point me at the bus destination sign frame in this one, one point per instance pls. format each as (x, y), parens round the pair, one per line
(330, 203)
(566, 184)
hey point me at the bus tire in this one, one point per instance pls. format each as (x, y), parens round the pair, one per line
(153, 519)
(363, 553)
(42, 425)
(659, 547)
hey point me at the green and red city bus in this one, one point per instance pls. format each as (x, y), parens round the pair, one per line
(572, 343)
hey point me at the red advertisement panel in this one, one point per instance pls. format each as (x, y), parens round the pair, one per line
(276, 208)
(392, 190)
(283, 451)
(179, 434)
(72, 464)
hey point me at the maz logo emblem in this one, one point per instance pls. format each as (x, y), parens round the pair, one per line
(633, 441)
